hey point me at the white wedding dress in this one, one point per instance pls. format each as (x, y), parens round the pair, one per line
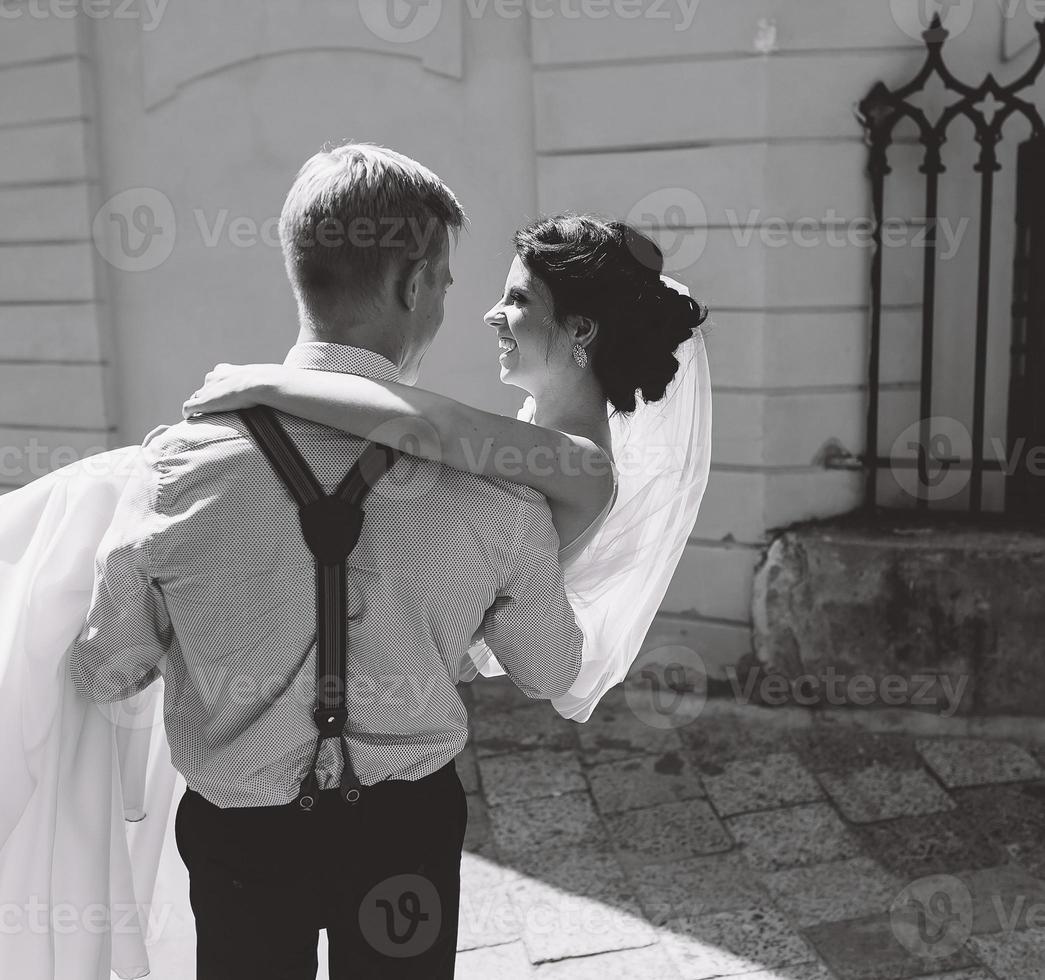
(90, 876)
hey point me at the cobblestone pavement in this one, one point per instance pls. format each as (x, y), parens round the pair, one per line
(726, 847)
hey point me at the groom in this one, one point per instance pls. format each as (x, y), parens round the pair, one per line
(205, 579)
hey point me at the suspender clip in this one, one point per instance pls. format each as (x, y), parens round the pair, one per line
(329, 721)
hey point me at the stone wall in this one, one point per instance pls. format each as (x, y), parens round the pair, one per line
(57, 383)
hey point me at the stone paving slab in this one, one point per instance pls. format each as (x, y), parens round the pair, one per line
(518, 776)
(629, 784)
(868, 949)
(1013, 956)
(566, 820)
(478, 835)
(1004, 898)
(975, 761)
(714, 741)
(488, 916)
(531, 726)
(776, 780)
(615, 732)
(792, 836)
(1011, 818)
(668, 832)
(696, 886)
(573, 901)
(467, 770)
(557, 922)
(491, 695)
(732, 943)
(646, 963)
(832, 891)
(832, 748)
(976, 973)
(935, 843)
(587, 868)
(506, 962)
(806, 971)
(880, 792)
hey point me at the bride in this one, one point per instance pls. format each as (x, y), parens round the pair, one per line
(585, 324)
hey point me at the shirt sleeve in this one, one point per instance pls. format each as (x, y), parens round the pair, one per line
(530, 628)
(128, 632)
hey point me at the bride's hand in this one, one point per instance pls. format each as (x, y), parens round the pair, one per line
(232, 386)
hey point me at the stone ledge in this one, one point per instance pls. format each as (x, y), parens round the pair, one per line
(944, 616)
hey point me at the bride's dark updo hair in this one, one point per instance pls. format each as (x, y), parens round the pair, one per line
(609, 272)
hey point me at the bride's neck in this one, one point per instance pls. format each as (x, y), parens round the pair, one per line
(580, 410)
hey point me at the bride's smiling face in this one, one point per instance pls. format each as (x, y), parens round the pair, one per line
(525, 326)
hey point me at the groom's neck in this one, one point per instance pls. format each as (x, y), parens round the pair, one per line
(366, 336)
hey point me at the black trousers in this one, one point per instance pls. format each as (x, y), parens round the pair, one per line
(383, 877)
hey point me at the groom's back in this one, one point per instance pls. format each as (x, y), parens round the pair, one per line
(441, 554)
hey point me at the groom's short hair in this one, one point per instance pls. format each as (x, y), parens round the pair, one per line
(356, 209)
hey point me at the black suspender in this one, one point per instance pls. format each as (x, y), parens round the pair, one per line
(331, 527)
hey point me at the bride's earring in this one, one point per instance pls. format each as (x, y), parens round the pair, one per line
(580, 355)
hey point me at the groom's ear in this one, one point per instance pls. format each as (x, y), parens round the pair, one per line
(410, 283)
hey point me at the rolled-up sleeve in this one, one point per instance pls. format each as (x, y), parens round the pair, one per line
(531, 628)
(127, 633)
